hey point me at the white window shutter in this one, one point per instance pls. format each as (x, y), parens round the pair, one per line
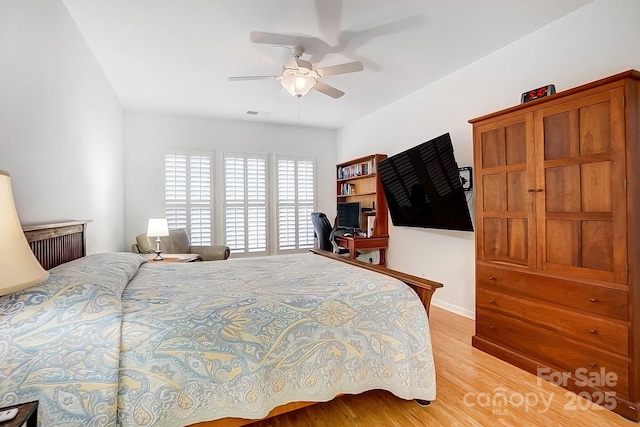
(234, 226)
(246, 203)
(296, 201)
(188, 196)
(200, 200)
(306, 203)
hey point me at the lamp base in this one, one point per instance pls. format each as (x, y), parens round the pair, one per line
(158, 257)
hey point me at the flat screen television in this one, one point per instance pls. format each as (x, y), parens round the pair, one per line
(423, 188)
(349, 215)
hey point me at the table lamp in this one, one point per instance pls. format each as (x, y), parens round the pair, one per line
(19, 268)
(157, 228)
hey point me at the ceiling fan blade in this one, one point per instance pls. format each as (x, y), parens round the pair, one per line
(311, 45)
(329, 16)
(349, 67)
(351, 40)
(328, 90)
(272, 38)
(241, 78)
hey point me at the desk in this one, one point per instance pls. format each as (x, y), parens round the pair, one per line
(357, 242)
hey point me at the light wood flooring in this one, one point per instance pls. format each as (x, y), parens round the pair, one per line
(465, 378)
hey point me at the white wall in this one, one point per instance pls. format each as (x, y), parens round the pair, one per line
(149, 136)
(596, 41)
(61, 125)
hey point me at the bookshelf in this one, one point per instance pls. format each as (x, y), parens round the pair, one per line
(357, 181)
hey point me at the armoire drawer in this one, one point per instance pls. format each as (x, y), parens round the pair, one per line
(551, 349)
(598, 332)
(575, 295)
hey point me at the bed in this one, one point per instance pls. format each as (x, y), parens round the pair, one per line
(110, 339)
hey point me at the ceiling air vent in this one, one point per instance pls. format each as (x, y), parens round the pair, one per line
(258, 113)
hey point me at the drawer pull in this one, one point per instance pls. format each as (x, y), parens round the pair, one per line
(593, 364)
(492, 301)
(492, 277)
(593, 299)
(593, 331)
(492, 326)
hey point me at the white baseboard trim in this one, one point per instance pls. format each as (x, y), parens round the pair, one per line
(454, 309)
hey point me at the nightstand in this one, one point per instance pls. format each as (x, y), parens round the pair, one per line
(172, 258)
(27, 415)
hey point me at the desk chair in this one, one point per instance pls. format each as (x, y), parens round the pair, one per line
(324, 234)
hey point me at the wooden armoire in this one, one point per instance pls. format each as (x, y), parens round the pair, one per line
(557, 212)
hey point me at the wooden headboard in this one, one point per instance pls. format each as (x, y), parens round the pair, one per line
(56, 243)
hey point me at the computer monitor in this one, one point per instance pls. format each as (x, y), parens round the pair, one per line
(349, 215)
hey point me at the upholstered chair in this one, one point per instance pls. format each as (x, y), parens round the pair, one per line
(178, 242)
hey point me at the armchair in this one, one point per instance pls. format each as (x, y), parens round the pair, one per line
(178, 242)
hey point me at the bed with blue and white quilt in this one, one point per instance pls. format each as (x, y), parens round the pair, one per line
(112, 340)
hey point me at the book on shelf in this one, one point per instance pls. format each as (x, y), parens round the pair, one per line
(347, 189)
(366, 168)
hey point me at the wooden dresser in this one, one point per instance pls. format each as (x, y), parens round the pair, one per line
(558, 239)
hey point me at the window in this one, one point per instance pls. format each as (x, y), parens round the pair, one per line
(265, 201)
(245, 203)
(187, 196)
(296, 201)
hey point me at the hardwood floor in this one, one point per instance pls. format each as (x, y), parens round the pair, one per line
(468, 381)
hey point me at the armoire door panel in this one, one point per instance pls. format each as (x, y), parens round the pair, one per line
(558, 130)
(562, 189)
(517, 235)
(595, 181)
(563, 243)
(504, 202)
(595, 128)
(516, 143)
(494, 231)
(581, 212)
(494, 188)
(597, 245)
(584, 244)
(493, 150)
(517, 196)
(506, 240)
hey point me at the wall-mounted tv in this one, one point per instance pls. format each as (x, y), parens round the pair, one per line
(423, 188)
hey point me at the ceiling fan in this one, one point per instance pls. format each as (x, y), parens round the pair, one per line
(300, 77)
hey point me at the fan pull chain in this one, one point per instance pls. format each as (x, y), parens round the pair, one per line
(298, 112)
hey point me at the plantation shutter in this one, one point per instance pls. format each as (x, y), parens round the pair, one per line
(200, 200)
(188, 198)
(296, 201)
(246, 203)
(175, 190)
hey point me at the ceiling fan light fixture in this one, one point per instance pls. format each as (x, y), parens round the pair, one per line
(298, 85)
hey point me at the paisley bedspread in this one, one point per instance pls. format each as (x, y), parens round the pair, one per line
(208, 340)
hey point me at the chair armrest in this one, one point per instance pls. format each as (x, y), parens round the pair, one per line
(135, 249)
(211, 253)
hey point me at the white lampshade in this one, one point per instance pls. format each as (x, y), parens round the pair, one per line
(157, 227)
(19, 268)
(298, 85)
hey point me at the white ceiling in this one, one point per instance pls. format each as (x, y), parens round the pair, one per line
(175, 56)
